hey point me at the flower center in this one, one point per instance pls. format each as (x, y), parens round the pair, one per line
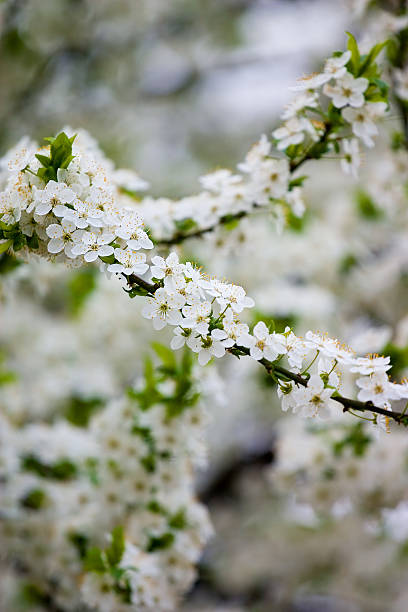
(316, 400)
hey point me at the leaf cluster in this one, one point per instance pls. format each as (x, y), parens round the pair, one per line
(60, 157)
(356, 439)
(14, 238)
(63, 469)
(179, 371)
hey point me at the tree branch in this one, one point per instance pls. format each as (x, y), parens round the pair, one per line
(347, 403)
(285, 374)
(313, 153)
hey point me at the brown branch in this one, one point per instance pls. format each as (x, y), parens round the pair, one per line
(282, 373)
(347, 403)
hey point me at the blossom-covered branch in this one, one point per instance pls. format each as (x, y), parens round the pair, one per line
(331, 113)
(79, 218)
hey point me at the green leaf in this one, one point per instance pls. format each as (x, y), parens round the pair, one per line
(109, 259)
(79, 410)
(32, 241)
(160, 542)
(8, 263)
(115, 551)
(80, 286)
(297, 182)
(398, 358)
(148, 372)
(4, 246)
(356, 439)
(60, 157)
(61, 149)
(7, 378)
(94, 560)
(34, 500)
(64, 165)
(348, 263)
(355, 53)
(80, 541)
(149, 463)
(178, 520)
(156, 508)
(46, 161)
(371, 56)
(165, 354)
(6, 226)
(62, 470)
(185, 225)
(367, 207)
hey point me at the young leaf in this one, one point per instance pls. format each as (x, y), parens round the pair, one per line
(160, 542)
(46, 161)
(371, 56)
(165, 354)
(94, 561)
(4, 246)
(355, 53)
(115, 551)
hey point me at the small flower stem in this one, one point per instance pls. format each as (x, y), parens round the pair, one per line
(311, 363)
(347, 403)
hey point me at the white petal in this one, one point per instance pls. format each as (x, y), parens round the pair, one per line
(204, 357)
(55, 245)
(89, 256)
(54, 230)
(177, 342)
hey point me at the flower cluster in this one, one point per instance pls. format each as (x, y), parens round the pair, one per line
(65, 204)
(349, 87)
(334, 109)
(135, 460)
(77, 216)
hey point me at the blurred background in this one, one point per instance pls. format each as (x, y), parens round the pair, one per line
(173, 90)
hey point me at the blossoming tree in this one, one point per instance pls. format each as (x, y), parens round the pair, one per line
(105, 515)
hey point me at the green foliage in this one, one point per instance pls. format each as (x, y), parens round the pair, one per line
(367, 207)
(6, 376)
(32, 596)
(8, 263)
(348, 263)
(166, 355)
(107, 560)
(276, 323)
(80, 286)
(295, 223)
(80, 541)
(297, 182)
(64, 469)
(79, 410)
(185, 225)
(178, 520)
(94, 561)
(179, 372)
(4, 246)
(35, 499)
(397, 141)
(114, 552)
(355, 439)
(398, 358)
(352, 46)
(60, 157)
(366, 66)
(161, 542)
(137, 291)
(12, 236)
